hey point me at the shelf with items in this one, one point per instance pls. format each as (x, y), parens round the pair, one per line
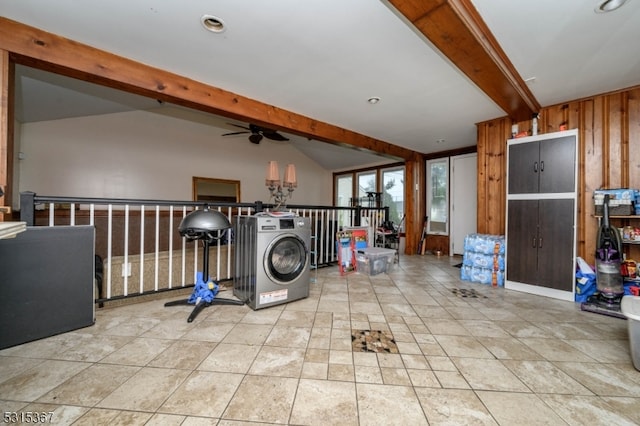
(629, 234)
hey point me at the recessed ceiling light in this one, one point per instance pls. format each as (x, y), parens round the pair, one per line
(373, 100)
(439, 141)
(609, 5)
(213, 23)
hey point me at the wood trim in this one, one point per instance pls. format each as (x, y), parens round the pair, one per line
(39, 49)
(492, 170)
(6, 131)
(457, 30)
(366, 169)
(414, 202)
(451, 153)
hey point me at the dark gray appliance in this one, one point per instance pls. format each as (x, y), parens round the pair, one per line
(46, 283)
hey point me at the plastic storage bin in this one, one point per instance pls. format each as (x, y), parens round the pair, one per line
(630, 307)
(374, 260)
(621, 201)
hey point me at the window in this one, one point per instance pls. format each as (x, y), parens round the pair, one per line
(343, 194)
(360, 187)
(367, 185)
(393, 193)
(438, 196)
(344, 190)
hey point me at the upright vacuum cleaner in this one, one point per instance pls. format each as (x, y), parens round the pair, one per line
(609, 282)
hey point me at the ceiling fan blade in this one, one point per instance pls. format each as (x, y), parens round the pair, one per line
(234, 133)
(242, 127)
(257, 133)
(275, 136)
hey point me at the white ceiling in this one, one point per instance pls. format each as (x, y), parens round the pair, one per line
(324, 58)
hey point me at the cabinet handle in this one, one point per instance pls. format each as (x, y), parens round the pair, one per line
(542, 166)
(533, 242)
(535, 167)
(540, 242)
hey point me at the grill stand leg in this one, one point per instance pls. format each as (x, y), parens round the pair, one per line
(201, 305)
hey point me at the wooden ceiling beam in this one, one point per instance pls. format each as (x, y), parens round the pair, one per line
(456, 29)
(39, 49)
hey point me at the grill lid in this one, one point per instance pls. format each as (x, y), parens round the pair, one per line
(203, 225)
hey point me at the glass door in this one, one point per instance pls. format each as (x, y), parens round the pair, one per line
(438, 196)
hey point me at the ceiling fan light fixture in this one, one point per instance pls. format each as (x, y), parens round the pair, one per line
(255, 138)
(213, 24)
(609, 5)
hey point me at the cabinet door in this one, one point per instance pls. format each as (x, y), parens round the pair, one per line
(556, 265)
(522, 241)
(557, 165)
(523, 168)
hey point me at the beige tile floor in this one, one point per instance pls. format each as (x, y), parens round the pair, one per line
(502, 358)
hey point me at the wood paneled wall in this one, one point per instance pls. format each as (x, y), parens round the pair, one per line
(6, 134)
(608, 157)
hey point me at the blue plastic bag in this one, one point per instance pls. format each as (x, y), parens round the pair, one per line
(203, 291)
(585, 281)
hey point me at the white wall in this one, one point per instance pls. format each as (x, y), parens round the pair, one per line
(147, 155)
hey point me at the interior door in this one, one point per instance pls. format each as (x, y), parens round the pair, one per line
(464, 201)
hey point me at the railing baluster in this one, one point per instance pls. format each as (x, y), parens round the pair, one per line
(142, 217)
(109, 249)
(52, 214)
(218, 256)
(170, 277)
(229, 243)
(157, 249)
(184, 252)
(335, 228)
(195, 261)
(125, 266)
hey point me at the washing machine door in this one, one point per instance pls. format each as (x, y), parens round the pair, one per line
(286, 259)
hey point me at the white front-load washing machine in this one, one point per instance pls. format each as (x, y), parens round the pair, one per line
(272, 259)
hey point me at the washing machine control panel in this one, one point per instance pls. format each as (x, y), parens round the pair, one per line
(286, 224)
(278, 224)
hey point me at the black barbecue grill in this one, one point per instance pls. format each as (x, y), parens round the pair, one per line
(207, 226)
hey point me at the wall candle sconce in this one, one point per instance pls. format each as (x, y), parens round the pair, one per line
(277, 189)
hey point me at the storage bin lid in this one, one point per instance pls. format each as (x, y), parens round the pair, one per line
(376, 250)
(630, 307)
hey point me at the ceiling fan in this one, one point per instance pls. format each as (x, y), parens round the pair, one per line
(257, 133)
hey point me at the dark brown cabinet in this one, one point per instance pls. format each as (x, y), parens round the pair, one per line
(541, 212)
(542, 166)
(539, 250)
